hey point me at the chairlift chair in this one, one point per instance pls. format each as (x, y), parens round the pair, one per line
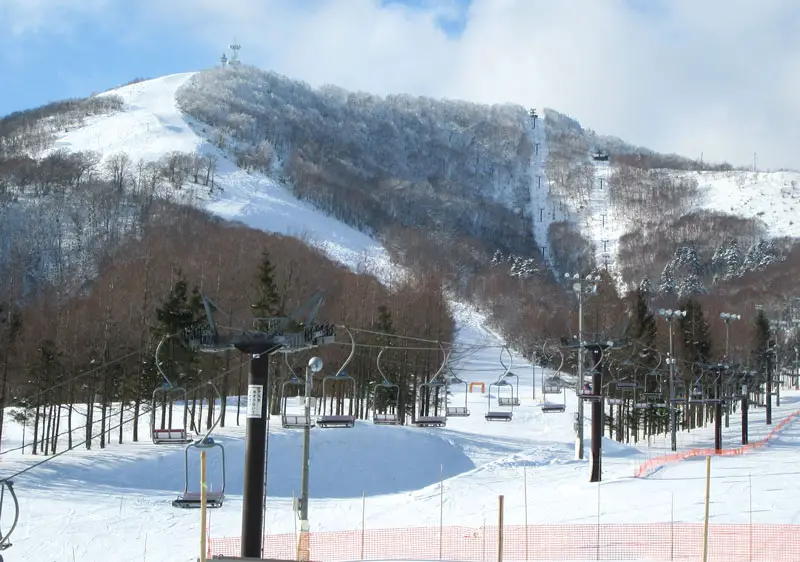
(214, 498)
(499, 413)
(424, 392)
(697, 396)
(512, 400)
(589, 394)
(166, 433)
(614, 401)
(327, 417)
(626, 383)
(299, 420)
(386, 403)
(553, 385)
(457, 411)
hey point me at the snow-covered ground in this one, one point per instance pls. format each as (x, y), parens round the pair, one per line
(87, 504)
(115, 503)
(151, 125)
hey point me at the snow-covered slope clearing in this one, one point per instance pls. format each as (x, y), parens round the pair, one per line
(150, 125)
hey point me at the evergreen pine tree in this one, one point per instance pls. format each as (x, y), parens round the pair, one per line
(268, 302)
(761, 336)
(181, 311)
(695, 334)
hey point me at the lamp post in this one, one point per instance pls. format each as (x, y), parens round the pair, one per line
(591, 282)
(728, 317)
(314, 366)
(669, 315)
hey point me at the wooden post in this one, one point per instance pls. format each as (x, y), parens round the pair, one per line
(525, 495)
(441, 508)
(363, 520)
(500, 529)
(203, 510)
(705, 518)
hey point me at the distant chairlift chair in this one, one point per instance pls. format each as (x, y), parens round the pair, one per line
(327, 417)
(428, 393)
(386, 403)
(385, 398)
(296, 420)
(214, 498)
(166, 433)
(553, 386)
(512, 400)
(499, 413)
(457, 411)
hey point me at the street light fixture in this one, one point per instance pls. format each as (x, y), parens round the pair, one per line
(669, 315)
(314, 366)
(728, 317)
(587, 285)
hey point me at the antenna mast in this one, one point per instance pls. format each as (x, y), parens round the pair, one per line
(235, 47)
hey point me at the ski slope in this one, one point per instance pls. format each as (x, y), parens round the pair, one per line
(115, 503)
(88, 503)
(150, 125)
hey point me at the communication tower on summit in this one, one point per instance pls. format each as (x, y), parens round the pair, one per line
(235, 47)
(224, 60)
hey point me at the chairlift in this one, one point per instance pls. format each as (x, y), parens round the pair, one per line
(385, 399)
(615, 401)
(553, 385)
(297, 420)
(697, 396)
(589, 394)
(425, 391)
(513, 400)
(214, 498)
(167, 432)
(680, 391)
(5, 537)
(626, 383)
(386, 403)
(332, 412)
(500, 413)
(457, 411)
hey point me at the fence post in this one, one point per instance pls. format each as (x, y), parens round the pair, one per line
(597, 534)
(750, 517)
(500, 529)
(705, 522)
(672, 526)
(525, 495)
(483, 534)
(363, 520)
(441, 509)
(203, 512)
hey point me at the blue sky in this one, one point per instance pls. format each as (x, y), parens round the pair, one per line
(101, 50)
(718, 77)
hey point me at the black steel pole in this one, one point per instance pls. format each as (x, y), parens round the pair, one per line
(745, 406)
(597, 416)
(769, 387)
(255, 453)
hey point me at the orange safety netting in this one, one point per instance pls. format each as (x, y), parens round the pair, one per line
(657, 462)
(641, 542)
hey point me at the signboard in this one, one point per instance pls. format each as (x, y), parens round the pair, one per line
(255, 400)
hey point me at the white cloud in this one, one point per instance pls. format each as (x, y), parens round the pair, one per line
(20, 17)
(720, 77)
